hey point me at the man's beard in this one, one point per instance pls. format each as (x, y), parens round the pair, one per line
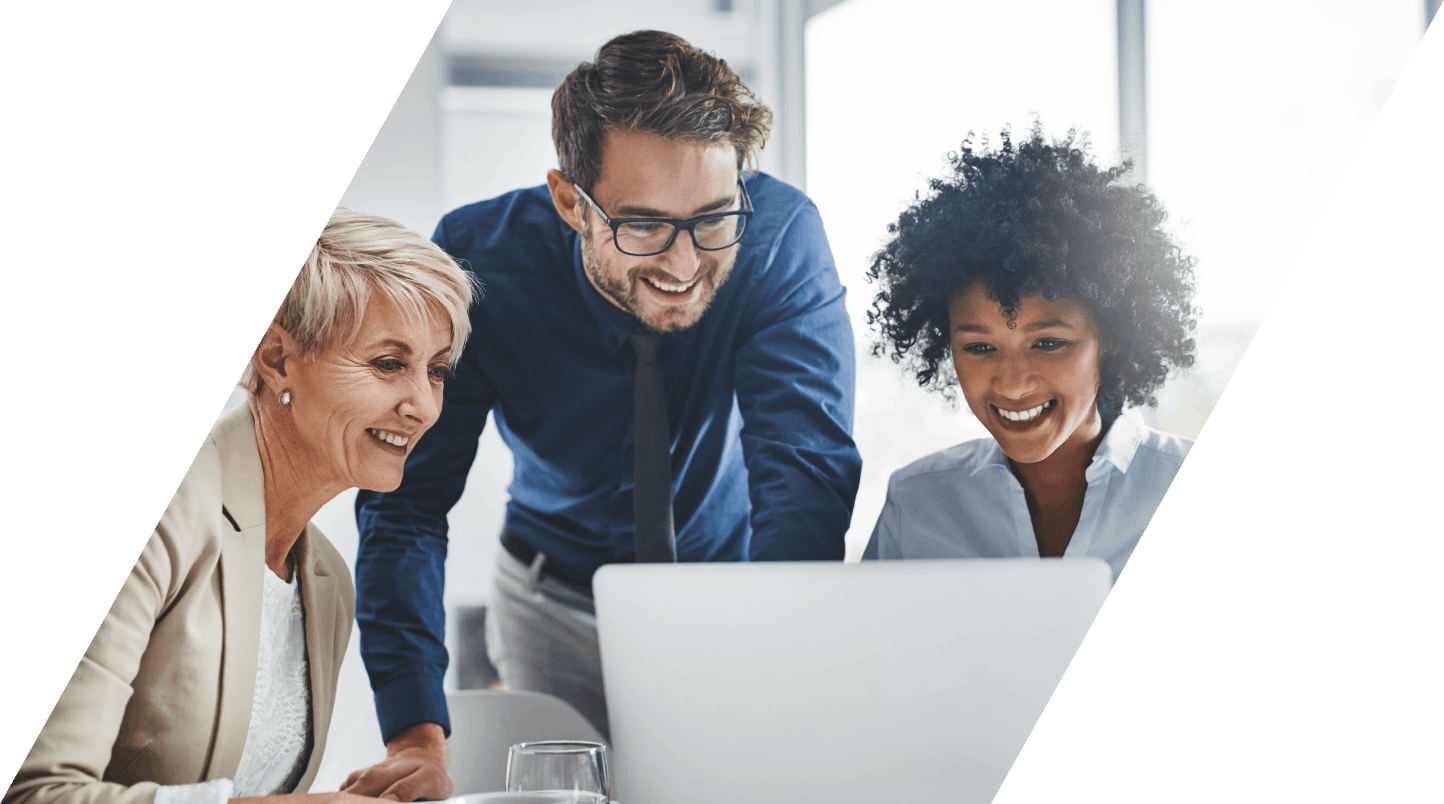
(623, 291)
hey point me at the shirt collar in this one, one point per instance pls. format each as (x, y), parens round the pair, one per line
(1120, 443)
(991, 457)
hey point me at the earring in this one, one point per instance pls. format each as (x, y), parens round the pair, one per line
(285, 397)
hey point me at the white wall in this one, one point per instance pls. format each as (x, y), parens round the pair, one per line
(1255, 112)
(568, 30)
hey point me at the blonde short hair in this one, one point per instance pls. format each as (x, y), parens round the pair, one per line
(356, 255)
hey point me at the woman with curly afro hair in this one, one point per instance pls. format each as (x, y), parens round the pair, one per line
(1047, 289)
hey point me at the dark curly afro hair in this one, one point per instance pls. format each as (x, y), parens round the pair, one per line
(1038, 219)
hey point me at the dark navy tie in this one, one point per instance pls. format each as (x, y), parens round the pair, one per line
(652, 456)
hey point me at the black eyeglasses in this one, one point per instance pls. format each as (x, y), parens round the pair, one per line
(644, 237)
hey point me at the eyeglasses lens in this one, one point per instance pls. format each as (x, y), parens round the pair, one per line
(714, 233)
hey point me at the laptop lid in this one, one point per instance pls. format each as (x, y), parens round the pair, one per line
(820, 681)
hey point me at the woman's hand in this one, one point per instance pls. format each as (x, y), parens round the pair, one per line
(414, 768)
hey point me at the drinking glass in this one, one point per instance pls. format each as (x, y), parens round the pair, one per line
(565, 771)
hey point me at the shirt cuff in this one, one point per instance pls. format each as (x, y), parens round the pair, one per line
(408, 700)
(212, 792)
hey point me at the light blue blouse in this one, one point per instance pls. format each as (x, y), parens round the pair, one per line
(964, 502)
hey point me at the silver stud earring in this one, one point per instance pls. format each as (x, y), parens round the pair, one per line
(285, 397)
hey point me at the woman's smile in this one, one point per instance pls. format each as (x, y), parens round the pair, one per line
(1029, 373)
(389, 438)
(1023, 416)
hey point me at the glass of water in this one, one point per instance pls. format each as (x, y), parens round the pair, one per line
(566, 772)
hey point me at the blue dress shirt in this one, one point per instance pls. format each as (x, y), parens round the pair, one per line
(964, 502)
(760, 409)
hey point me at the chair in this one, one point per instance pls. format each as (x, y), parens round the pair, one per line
(485, 723)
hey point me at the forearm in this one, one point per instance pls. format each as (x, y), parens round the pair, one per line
(400, 578)
(401, 565)
(33, 790)
(71, 759)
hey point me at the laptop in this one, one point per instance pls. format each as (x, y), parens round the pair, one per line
(797, 682)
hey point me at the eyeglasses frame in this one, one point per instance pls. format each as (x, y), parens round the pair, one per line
(690, 225)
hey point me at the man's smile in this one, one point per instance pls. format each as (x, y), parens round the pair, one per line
(670, 287)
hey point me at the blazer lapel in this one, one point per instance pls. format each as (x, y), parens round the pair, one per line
(243, 559)
(322, 652)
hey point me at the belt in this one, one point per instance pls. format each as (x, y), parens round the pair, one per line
(526, 554)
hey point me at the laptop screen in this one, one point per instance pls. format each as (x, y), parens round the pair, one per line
(822, 681)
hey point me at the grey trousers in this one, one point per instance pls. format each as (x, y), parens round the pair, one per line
(541, 635)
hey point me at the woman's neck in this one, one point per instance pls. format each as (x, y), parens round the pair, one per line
(1068, 463)
(1054, 487)
(294, 490)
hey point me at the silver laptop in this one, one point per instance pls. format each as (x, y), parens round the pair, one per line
(798, 682)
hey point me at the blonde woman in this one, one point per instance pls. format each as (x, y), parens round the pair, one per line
(214, 672)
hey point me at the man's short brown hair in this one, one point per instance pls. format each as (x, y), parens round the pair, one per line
(656, 83)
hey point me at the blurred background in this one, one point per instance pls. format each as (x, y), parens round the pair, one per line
(1242, 115)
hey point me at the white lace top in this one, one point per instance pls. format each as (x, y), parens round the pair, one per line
(279, 738)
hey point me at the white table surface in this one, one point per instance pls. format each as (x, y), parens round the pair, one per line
(513, 798)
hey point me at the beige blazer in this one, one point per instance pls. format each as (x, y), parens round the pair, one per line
(163, 694)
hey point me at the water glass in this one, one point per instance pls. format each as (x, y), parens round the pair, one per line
(567, 772)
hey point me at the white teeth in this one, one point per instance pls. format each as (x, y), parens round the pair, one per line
(670, 288)
(1024, 415)
(390, 438)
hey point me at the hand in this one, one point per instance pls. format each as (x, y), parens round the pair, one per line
(414, 768)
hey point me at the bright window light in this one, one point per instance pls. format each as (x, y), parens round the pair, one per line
(892, 87)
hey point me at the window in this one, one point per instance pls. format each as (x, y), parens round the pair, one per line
(1251, 109)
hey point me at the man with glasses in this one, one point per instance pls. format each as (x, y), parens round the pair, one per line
(662, 343)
